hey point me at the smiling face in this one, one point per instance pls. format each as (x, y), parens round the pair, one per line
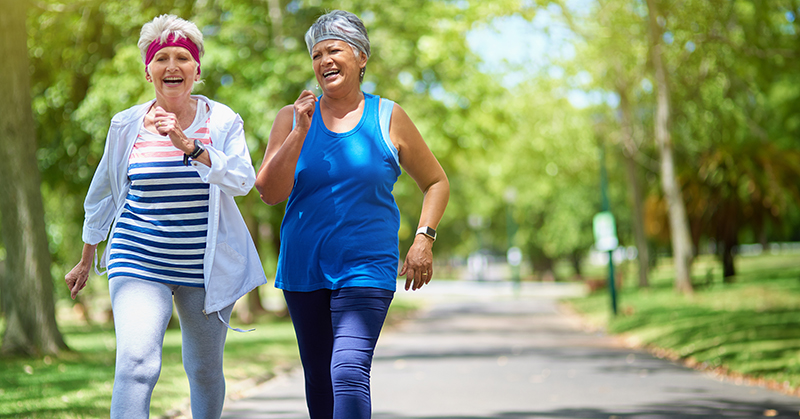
(336, 66)
(173, 72)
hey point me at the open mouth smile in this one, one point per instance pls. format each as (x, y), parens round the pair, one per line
(173, 80)
(330, 73)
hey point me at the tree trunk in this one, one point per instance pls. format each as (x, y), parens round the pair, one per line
(575, 258)
(629, 151)
(728, 268)
(27, 285)
(543, 265)
(728, 237)
(679, 226)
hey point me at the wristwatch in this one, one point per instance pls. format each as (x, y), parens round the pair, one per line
(198, 150)
(427, 231)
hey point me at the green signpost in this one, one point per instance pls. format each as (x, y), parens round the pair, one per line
(605, 240)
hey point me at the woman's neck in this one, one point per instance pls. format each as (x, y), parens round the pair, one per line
(342, 114)
(183, 108)
(343, 105)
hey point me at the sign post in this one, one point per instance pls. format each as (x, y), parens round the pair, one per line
(605, 240)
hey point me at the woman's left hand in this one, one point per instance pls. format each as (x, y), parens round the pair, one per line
(418, 266)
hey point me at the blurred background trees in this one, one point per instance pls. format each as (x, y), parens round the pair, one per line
(515, 97)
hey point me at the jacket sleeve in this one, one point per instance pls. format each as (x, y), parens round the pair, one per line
(99, 205)
(231, 168)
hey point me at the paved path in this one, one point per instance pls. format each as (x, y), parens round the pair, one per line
(481, 351)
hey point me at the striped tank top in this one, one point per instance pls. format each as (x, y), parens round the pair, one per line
(161, 234)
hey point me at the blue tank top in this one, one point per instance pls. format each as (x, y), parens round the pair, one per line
(341, 221)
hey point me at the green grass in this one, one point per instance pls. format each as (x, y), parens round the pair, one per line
(750, 328)
(78, 384)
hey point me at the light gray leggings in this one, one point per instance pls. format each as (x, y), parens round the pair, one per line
(142, 310)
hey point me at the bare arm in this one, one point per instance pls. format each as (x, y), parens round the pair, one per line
(275, 178)
(420, 163)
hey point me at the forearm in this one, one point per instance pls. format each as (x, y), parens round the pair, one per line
(203, 158)
(434, 203)
(87, 255)
(275, 178)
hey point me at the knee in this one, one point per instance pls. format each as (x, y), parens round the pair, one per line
(352, 371)
(205, 371)
(133, 366)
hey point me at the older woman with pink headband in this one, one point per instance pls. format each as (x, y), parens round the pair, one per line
(164, 190)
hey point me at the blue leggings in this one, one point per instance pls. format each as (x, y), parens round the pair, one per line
(337, 332)
(141, 312)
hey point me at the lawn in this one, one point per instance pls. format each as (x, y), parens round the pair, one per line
(78, 384)
(747, 330)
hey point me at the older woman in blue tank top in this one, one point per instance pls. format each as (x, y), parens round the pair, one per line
(336, 159)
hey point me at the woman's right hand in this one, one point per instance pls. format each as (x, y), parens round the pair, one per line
(304, 109)
(77, 277)
(275, 177)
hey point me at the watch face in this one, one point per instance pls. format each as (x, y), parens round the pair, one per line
(427, 231)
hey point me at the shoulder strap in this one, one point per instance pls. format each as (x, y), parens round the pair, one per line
(385, 118)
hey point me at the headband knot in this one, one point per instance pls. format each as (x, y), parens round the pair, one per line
(173, 41)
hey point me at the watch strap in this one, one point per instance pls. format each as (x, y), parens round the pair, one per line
(198, 150)
(428, 231)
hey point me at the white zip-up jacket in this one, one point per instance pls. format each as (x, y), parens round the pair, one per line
(231, 265)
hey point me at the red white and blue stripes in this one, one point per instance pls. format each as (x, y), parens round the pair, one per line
(161, 234)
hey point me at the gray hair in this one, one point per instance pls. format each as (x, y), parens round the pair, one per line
(163, 26)
(340, 25)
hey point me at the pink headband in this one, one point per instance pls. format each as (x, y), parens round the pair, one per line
(184, 42)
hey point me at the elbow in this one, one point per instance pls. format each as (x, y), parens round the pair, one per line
(446, 185)
(269, 197)
(271, 192)
(271, 202)
(263, 193)
(260, 187)
(441, 187)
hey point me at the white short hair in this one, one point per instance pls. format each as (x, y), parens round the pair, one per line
(341, 25)
(163, 26)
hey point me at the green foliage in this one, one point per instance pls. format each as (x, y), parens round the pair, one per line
(732, 67)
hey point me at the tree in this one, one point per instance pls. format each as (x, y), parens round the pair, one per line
(733, 71)
(679, 227)
(27, 286)
(615, 52)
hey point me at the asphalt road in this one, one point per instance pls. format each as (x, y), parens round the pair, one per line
(484, 350)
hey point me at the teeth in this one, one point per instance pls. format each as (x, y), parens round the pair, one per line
(328, 73)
